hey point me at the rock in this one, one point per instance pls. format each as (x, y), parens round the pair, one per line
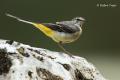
(23, 62)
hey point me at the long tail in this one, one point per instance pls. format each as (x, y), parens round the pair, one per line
(40, 26)
(17, 18)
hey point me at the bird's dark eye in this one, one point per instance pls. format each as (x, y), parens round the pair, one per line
(78, 19)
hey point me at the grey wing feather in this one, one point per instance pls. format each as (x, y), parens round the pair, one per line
(70, 24)
(60, 27)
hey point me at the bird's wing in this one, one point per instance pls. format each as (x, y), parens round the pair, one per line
(59, 27)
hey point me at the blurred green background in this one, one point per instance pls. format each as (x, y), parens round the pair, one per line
(99, 43)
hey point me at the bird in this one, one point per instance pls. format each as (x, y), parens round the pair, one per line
(61, 32)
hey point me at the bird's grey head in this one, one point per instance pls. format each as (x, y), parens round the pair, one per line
(78, 21)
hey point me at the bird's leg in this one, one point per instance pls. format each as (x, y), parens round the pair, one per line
(60, 45)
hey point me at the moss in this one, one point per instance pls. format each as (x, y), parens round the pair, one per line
(30, 74)
(46, 75)
(5, 62)
(80, 76)
(10, 42)
(21, 51)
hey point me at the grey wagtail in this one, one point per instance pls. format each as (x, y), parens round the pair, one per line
(60, 32)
